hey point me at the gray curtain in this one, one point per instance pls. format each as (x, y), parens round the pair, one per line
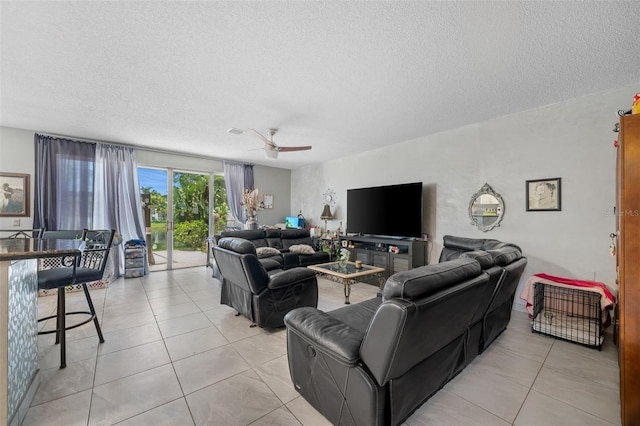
(117, 204)
(87, 185)
(237, 177)
(63, 195)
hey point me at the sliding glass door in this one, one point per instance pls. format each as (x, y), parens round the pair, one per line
(190, 219)
(177, 221)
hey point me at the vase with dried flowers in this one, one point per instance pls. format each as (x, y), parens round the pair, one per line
(252, 202)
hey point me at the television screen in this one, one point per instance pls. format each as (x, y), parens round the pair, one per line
(291, 222)
(394, 210)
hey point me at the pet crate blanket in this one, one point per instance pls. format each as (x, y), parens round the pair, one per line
(607, 299)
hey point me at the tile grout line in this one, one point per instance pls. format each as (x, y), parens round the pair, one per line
(533, 383)
(164, 342)
(555, 340)
(95, 366)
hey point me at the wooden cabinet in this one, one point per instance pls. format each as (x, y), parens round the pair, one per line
(375, 251)
(628, 219)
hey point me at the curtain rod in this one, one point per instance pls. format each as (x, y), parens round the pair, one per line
(141, 148)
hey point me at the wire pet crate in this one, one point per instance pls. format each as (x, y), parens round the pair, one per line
(569, 314)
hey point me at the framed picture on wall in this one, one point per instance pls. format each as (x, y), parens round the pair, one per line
(544, 195)
(14, 198)
(268, 201)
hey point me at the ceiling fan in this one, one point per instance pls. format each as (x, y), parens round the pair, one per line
(271, 150)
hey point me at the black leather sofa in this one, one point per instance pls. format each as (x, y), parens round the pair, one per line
(505, 264)
(282, 240)
(264, 297)
(375, 362)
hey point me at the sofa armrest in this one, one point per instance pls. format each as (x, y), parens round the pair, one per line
(290, 259)
(328, 334)
(290, 277)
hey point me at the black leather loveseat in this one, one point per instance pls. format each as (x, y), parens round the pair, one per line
(375, 362)
(264, 297)
(282, 241)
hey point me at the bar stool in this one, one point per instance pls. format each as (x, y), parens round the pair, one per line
(87, 267)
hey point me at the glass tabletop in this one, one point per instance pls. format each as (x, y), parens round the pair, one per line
(348, 269)
(19, 248)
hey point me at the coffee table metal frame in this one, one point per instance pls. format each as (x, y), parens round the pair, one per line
(347, 274)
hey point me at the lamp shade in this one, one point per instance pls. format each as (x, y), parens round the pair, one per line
(326, 213)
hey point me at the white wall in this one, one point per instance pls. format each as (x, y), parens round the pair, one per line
(572, 140)
(276, 182)
(17, 156)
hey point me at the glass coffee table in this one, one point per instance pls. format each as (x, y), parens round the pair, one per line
(347, 274)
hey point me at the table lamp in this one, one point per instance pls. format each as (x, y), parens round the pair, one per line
(326, 215)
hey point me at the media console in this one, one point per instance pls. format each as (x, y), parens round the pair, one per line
(375, 251)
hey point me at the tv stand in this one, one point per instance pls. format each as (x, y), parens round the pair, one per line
(374, 250)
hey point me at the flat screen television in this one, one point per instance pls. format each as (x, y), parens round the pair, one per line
(393, 211)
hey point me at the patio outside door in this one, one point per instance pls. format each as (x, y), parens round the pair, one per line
(177, 221)
(190, 219)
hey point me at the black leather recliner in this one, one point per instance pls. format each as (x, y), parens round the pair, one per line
(264, 297)
(375, 362)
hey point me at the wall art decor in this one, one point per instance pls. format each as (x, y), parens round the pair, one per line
(14, 198)
(544, 194)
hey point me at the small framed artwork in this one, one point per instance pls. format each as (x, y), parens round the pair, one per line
(268, 201)
(14, 201)
(544, 195)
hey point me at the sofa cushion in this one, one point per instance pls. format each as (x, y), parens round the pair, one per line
(292, 237)
(358, 315)
(427, 280)
(313, 259)
(301, 249)
(239, 245)
(450, 254)
(482, 257)
(505, 255)
(495, 245)
(462, 243)
(256, 236)
(271, 264)
(273, 238)
(263, 252)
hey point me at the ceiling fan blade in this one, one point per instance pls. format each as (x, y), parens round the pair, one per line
(293, 148)
(264, 139)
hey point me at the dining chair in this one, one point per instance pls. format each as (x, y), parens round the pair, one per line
(34, 233)
(88, 266)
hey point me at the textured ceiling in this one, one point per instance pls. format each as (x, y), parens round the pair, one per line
(341, 76)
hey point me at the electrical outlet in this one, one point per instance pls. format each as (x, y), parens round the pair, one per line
(16, 222)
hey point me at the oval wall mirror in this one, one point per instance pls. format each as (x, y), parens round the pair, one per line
(486, 208)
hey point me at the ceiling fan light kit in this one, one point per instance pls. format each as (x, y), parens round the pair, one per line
(271, 154)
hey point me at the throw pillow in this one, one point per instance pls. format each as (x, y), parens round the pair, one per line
(301, 249)
(266, 251)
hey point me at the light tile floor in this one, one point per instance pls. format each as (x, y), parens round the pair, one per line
(174, 356)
